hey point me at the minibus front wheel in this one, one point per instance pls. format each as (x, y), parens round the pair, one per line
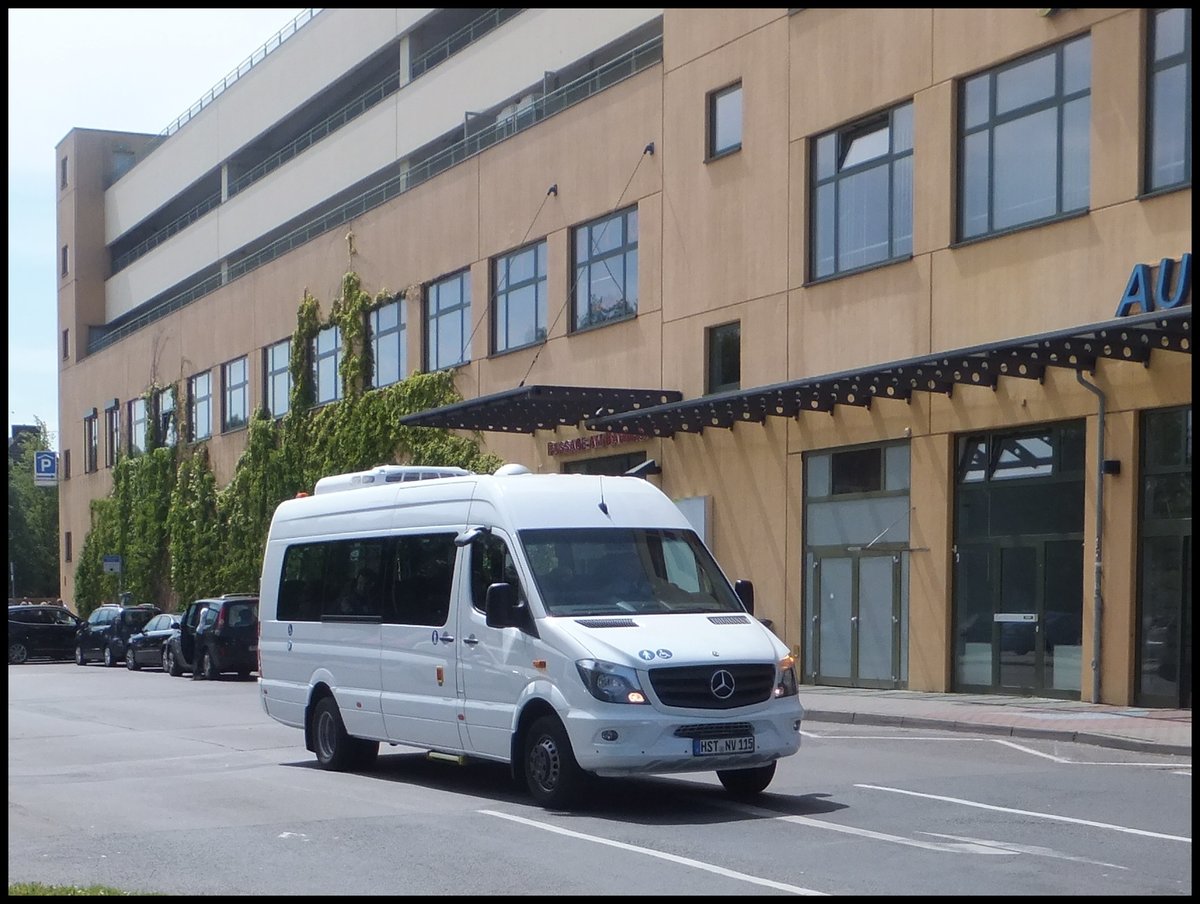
(553, 776)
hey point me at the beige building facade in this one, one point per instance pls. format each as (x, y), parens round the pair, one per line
(911, 288)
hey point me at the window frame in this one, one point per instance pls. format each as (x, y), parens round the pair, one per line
(320, 359)
(1154, 69)
(379, 336)
(228, 389)
(65, 268)
(626, 251)
(112, 434)
(166, 425)
(711, 358)
(461, 310)
(195, 401)
(91, 442)
(503, 288)
(713, 122)
(270, 402)
(1058, 101)
(839, 142)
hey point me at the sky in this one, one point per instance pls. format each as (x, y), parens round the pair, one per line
(123, 70)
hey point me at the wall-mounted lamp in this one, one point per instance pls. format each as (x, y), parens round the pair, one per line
(649, 149)
(552, 190)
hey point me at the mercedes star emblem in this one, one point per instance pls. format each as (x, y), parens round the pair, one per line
(721, 684)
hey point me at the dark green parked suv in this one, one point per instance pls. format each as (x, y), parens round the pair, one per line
(216, 635)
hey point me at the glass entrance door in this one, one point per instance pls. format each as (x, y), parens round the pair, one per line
(857, 615)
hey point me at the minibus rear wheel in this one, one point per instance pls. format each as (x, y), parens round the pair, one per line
(553, 776)
(335, 749)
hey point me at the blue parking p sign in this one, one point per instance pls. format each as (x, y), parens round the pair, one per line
(45, 468)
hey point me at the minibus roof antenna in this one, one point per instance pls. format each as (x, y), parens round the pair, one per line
(603, 507)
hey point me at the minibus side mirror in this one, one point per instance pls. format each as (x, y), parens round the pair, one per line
(501, 605)
(745, 592)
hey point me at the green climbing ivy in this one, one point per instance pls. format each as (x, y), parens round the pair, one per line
(182, 537)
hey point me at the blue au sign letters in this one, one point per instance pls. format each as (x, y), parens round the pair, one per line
(1142, 292)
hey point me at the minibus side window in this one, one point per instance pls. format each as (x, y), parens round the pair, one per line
(491, 563)
(423, 574)
(354, 578)
(300, 585)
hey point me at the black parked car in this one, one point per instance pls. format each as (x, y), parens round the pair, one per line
(40, 631)
(146, 646)
(107, 631)
(218, 634)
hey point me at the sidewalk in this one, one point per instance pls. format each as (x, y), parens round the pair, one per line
(1167, 731)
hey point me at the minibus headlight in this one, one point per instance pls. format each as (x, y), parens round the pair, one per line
(786, 686)
(610, 682)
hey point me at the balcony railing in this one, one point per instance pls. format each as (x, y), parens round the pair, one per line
(462, 38)
(629, 64)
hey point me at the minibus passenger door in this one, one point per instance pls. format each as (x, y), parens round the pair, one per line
(496, 663)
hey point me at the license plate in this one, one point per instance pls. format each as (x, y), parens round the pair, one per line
(718, 746)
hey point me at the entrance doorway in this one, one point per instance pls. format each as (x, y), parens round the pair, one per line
(1018, 562)
(858, 617)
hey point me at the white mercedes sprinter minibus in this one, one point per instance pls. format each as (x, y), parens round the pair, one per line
(569, 625)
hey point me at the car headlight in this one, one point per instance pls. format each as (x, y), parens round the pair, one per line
(787, 686)
(610, 682)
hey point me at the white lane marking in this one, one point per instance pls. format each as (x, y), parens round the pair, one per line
(1058, 759)
(761, 813)
(1050, 816)
(684, 861)
(1027, 849)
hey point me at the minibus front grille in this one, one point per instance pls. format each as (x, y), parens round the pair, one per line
(729, 619)
(717, 686)
(608, 623)
(726, 730)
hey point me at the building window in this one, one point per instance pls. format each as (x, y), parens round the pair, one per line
(1024, 156)
(137, 426)
(66, 344)
(724, 355)
(67, 540)
(64, 260)
(447, 318)
(862, 193)
(725, 121)
(1169, 104)
(606, 270)
(62, 183)
(112, 434)
(91, 442)
(200, 399)
(66, 464)
(388, 341)
(167, 434)
(122, 162)
(327, 358)
(235, 383)
(519, 314)
(278, 377)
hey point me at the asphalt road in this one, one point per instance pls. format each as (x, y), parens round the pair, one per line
(157, 784)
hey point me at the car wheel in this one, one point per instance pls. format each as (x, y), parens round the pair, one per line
(109, 659)
(17, 652)
(80, 659)
(171, 664)
(552, 774)
(336, 750)
(747, 782)
(131, 661)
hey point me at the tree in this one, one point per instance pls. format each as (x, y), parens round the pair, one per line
(32, 520)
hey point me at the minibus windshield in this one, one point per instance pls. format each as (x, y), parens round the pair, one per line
(617, 571)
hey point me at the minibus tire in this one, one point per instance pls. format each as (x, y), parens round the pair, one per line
(552, 774)
(336, 750)
(747, 782)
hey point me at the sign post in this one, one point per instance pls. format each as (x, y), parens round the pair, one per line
(45, 469)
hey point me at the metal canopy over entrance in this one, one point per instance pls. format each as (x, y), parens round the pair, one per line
(1125, 339)
(529, 408)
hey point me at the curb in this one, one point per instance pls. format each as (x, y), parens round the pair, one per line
(1050, 734)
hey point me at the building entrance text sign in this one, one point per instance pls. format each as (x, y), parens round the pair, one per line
(1141, 291)
(112, 564)
(585, 443)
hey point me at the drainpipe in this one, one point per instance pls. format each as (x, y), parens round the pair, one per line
(1097, 601)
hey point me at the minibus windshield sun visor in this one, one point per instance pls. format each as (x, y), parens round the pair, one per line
(624, 571)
